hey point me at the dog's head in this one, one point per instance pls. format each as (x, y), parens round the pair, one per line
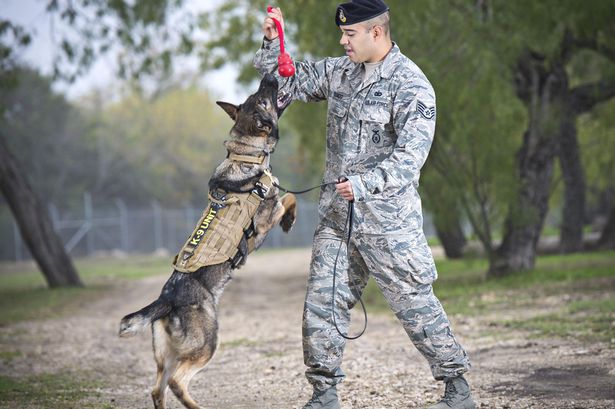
(259, 114)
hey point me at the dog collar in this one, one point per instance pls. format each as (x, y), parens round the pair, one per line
(247, 158)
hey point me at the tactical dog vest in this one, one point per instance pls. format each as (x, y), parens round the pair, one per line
(224, 222)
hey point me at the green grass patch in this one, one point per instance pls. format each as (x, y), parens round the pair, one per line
(8, 356)
(48, 391)
(239, 342)
(24, 294)
(464, 289)
(590, 320)
(40, 303)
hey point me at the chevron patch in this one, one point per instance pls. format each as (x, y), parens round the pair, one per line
(426, 112)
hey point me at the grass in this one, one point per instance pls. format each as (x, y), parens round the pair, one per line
(585, 280)
(462, 285)
(239, 342)
(589, 320)
(25, 296)
(463, 289)
(48, 391)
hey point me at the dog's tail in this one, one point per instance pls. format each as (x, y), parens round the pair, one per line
(134, 323)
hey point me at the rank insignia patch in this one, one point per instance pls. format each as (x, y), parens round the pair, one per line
(426, 112)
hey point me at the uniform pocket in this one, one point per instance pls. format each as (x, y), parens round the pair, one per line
(338, 113)
(420, 260)
(376, 131)
(338, 105)
(411, 257)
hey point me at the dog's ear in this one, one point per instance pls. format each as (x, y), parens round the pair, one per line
(229, 108)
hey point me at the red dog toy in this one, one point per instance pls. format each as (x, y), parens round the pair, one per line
(285, 63)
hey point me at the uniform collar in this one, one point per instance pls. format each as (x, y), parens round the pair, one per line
(354, 71)
(390, 62)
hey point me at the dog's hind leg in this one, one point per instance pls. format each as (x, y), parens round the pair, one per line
(181, 379)
(166, 362)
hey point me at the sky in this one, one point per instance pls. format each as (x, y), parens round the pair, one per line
(39, 54)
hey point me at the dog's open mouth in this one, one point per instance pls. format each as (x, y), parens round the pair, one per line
(283, 100)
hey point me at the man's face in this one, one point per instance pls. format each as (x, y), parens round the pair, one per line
(358, 42)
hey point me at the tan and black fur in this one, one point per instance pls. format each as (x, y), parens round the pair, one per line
(184, 318)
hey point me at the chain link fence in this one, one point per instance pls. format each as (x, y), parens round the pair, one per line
(117, 228)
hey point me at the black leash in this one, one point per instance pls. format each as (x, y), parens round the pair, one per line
(298, 192)
(348, 222)
(354, 290)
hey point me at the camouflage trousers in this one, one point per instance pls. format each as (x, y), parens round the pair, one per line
(389, 260)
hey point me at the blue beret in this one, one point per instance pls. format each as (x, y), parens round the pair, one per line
(357, 11)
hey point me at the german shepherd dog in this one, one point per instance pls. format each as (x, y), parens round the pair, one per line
(184, 318)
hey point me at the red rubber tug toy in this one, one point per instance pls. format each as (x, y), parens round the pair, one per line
(285, 63)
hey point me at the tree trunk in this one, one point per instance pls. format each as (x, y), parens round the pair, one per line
(573, 215)
(581, 99)
(526, 215)
(34, 224)
(543, 92)
(452, 239)
(607, 238)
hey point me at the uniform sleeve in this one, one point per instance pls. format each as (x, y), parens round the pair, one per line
(414, 121)
(311, 79)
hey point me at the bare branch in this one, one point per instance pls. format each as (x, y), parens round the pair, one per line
(585, 97)
(595, 45)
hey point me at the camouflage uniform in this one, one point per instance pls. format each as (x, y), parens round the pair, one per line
(379, 132)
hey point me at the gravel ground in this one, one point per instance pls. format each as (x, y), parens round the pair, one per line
(260, 365)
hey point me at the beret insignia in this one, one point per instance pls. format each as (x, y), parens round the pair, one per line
(342, 17)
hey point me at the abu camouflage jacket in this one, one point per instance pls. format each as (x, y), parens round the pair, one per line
(379, 132)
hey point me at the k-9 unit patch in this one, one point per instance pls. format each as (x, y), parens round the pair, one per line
(425, 111)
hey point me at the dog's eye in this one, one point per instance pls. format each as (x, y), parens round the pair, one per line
(263, 103)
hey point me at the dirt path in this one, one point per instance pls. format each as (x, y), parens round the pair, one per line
(259, 364)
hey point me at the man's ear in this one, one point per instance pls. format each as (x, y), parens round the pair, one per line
(229, 108)
(378, 32)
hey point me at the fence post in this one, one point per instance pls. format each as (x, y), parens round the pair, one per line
(121, 206)
(88, 215)
(55, 217)
(157, 225)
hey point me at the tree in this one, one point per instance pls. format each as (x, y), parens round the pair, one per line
(541, 57)
(99, 25)
(597, 141)
(161, 148)
(34, 224)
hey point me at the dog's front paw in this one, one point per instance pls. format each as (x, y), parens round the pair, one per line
(287, 222)
(289, 201)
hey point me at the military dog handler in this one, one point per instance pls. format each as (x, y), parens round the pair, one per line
(380, 126)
